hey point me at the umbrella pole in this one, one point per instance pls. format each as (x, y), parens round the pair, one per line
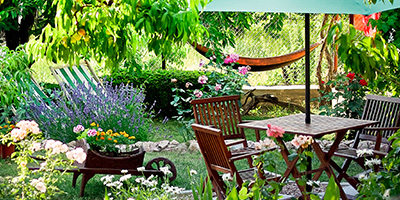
(307, 60)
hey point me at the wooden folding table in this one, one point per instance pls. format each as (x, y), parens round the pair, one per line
(320, 125)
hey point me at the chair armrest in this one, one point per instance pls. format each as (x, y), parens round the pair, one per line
(254, 153)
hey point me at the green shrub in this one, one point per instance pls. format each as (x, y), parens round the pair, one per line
(13, 69)
(158, 85)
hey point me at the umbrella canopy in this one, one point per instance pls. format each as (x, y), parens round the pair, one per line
(307, 7)
(302, 6)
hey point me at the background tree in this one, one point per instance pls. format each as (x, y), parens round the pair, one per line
(21, 18)
(102, 30)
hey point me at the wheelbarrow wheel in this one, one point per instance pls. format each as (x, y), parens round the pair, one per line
(158, 163)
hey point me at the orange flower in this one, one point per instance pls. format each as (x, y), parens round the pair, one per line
(102, 138)
(12, 126)
(126, 135)
(109, 138)
(115, 141)
(102, 133)
(5, 126)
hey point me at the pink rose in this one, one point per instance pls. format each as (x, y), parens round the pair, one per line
(275, 131)
(234, 57)
(203, 79)
(228, 60)
(217, 87)
(198, 93)
(242, 70)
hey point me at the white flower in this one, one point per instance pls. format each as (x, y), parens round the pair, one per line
(140, 180)
(124, 171)
(125, 177)
(192, 172)
(165, 170)
(130, 198)
(39, 184)
(140, 169)
(226, 177)
(311, 182)
(107, 179)
(372, 162)
(35, 146)
(362, 152)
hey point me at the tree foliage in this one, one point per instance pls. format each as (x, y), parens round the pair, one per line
(389, 25)
(20, 18)
(102, 30)
(373, 58)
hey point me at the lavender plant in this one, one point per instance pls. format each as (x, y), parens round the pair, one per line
(119, 108)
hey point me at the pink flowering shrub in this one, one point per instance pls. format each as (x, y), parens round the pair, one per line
(40, 183)
(302, 141)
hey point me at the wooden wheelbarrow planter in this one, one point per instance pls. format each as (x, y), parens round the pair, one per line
(96, 163)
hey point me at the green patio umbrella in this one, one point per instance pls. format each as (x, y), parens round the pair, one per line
(306, 7)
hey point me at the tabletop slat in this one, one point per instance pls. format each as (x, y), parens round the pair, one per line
(320, 125)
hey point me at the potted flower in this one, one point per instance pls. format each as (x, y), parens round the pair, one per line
(107, 148)
(6, 148)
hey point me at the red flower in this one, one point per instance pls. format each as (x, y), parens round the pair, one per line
(350, 76)
(322, 82)
(363, 82)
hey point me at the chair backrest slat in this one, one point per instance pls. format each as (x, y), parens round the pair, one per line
(383, 109)
(212, 146)
(221, 112)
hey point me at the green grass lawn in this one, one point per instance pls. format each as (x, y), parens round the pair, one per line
(183, 161)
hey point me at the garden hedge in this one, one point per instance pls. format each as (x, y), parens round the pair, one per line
(158, 86)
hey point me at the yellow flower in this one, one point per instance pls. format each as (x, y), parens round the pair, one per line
(102, 133)
(98, 133)
(93, 124)
(82, 32)
(115, 141)
(109, 132)
(1, 127)
(126, 135)
(132, 137)
(116, 134)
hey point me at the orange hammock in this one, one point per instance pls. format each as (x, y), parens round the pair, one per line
(264, 64)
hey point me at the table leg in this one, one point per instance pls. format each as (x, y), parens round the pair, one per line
(339, 137)
(292, 169)
(325, 164)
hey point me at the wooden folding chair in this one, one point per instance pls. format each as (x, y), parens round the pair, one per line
(223, 113)
(386, 110)
(218, 159)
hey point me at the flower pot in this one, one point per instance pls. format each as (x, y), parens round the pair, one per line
(6, 151)
(128, 160)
